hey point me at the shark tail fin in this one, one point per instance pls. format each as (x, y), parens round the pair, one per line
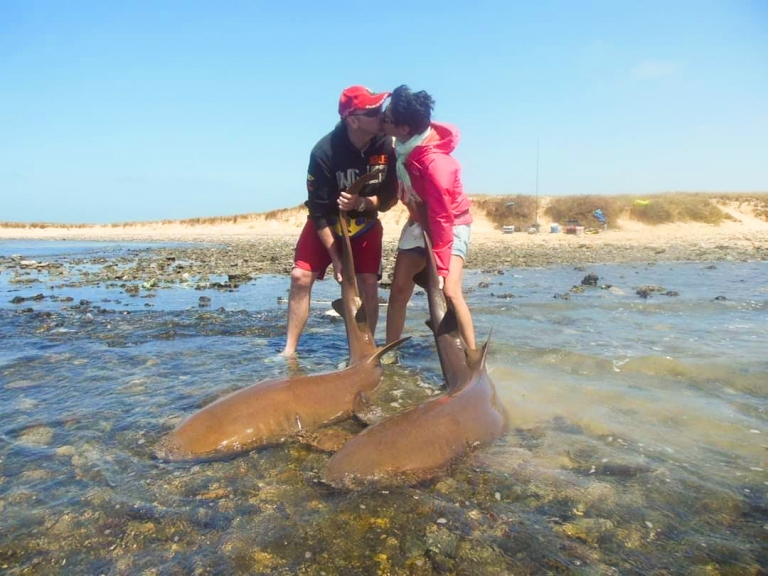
(384, 349)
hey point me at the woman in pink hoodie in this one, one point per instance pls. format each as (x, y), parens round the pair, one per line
(428, 174)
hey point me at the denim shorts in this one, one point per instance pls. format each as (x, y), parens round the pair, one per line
(411, 239)
(461, 236)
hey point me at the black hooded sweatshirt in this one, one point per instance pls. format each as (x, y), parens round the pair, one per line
(335, 163)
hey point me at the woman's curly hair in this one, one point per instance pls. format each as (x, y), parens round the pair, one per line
(412, 109)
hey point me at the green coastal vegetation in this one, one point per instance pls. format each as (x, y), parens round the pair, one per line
(520, 210)
(706, 208)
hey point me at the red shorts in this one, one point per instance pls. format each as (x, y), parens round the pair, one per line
(312, 256)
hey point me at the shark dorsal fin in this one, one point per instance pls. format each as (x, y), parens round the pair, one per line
(486, 346)
(384, 349)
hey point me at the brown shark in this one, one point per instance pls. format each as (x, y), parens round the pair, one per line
(417, 444)
(272, 411)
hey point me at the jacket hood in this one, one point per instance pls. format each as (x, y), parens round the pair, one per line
(443, 140)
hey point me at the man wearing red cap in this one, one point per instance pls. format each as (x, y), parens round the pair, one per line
(353, 148)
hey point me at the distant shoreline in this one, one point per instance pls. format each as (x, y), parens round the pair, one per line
(266, 241)
(273, 254)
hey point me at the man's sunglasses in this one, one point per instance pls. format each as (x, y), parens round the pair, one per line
(372, 113)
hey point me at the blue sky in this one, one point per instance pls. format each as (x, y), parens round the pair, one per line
(114, 112)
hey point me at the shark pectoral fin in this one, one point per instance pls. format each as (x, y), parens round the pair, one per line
(360, 402)
(338, 307)
(360, 316)
(365, 411)
(430, 325)
(449, 324)
(325, 440)
(420, 278)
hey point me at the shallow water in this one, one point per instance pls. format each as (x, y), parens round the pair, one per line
(639, 439)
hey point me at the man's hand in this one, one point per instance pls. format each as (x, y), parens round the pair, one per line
(351, 202)
(337, 267)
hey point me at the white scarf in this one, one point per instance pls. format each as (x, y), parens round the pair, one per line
(403, 150)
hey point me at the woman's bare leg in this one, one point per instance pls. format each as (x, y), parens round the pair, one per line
(406, 265)
(454, 295)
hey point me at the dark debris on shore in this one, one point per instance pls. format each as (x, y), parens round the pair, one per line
(240, 261)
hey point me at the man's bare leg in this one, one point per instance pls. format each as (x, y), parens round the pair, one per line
(298, 307)
(368, 284)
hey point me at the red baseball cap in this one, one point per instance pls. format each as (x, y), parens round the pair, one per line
(360, 98)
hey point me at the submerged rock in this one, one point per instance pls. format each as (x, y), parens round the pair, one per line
(590, 279)
(36, 436)
(645, 291)
(589, 530)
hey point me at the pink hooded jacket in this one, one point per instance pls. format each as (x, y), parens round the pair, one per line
(436, 178)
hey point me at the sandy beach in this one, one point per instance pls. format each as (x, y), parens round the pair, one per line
(263, 243)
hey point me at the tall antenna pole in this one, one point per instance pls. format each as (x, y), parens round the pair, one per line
(537, 184)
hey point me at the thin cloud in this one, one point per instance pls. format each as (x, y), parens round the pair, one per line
(652, 69)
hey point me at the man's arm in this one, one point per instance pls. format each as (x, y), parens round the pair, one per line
(320, 188)
(329, 241)
(319, 192)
